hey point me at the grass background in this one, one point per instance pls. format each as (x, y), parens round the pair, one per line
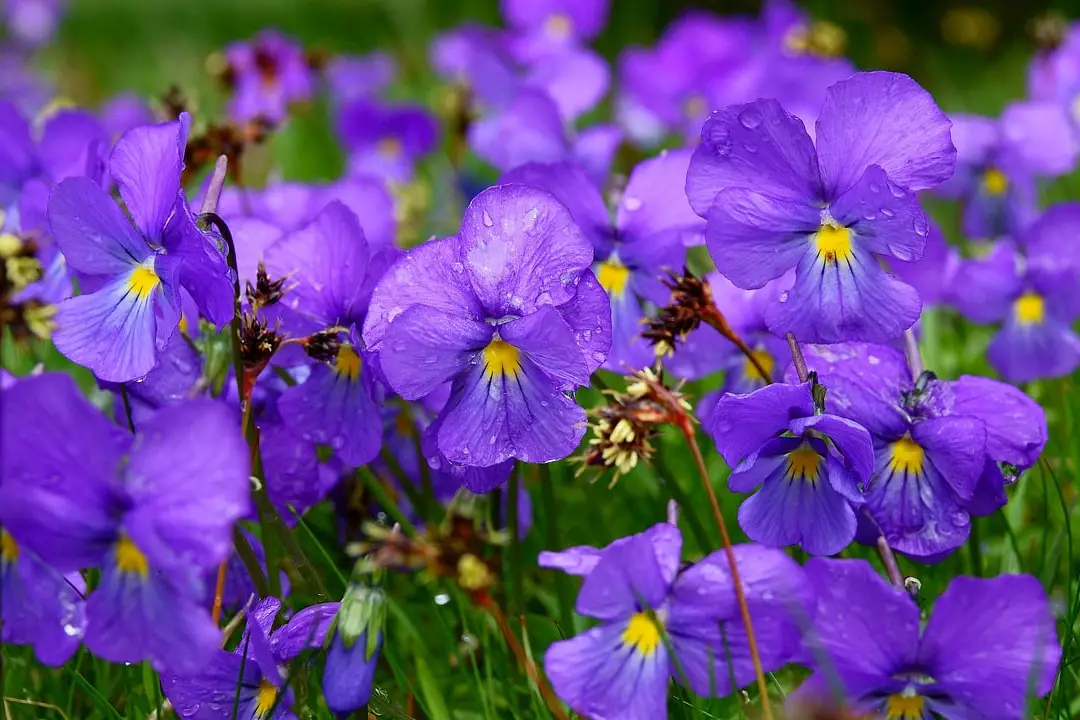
(446, 660)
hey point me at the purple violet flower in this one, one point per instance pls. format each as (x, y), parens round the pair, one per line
(253, 677)
(386, 141)
(1054, 76)
(352, 77)
(811, 467)
(508, 310)
(988, 647)
(649, 607)
(327, 263)
(132, 271)
(357, 639)
(653, 224)
(267, 75)
(556, 24)
(775, 202)
(152, 511)
(529, 129)
(32, 22)
(999, 160)
(937, 444)
(1031, 290)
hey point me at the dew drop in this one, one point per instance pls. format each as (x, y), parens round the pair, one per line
(632, 204)
(750, 118)
(442, 599)
(486, 217)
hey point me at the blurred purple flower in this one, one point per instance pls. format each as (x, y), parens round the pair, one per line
(775, 202)
(649, 606)
(509, 311)
(1031, 289)
(386, 141)
(653, 224)
(553, 25)
(988, 647)
(267, 75)
(32, 22)
(252, 678)
(79, 493)
(999, 160)
(131, 272)
(529, 129)
(937, 444)
(356, 77)
(809, 488)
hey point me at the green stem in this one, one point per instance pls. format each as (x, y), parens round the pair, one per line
(562, 588)
(516, 599)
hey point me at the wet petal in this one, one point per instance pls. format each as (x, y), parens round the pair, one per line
(92, 231)
(146, 164)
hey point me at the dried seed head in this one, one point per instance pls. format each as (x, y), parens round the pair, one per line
(622, 429)
(691, 300)
(258, 342)
(265, 292)
(323, 345)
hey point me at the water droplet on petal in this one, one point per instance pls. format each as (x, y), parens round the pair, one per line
(486, 217)
(750, 118)
(632, 204)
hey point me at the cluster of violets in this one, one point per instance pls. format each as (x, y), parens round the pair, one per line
(804, 180)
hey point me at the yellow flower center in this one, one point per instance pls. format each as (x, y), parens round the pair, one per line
(904, 706)
(1030, 309)
(803, 462)
(473, 574)
(40, 319)
(129, 558)
(264, 701)
(767, 364)
(614, 276)
(143, 280)
(559, 26)
(695, 106)
(390, 148)
(994, 182)
(907, 456)
(642, 634)
(833, 243)
(9, 549)
(22, 271)
(502, 358)
(347, 362)
(10, 244)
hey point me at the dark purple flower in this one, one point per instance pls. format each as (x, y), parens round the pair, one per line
(136, 268)
(653, 224)
(327, 264)
(999, 160)
(988, 647)
(937, 443)
(152, 512)
(386, 141)
(1031, 290)
(508, 310)
(267, 74)
(253, 677)
(355, 645)
(529, 129)
(811, 467)
(775, 202)
(41, 606)
(647, 607)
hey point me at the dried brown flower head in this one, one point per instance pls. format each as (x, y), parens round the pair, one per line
(691, 300)
(623, 429)
(264, 292)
